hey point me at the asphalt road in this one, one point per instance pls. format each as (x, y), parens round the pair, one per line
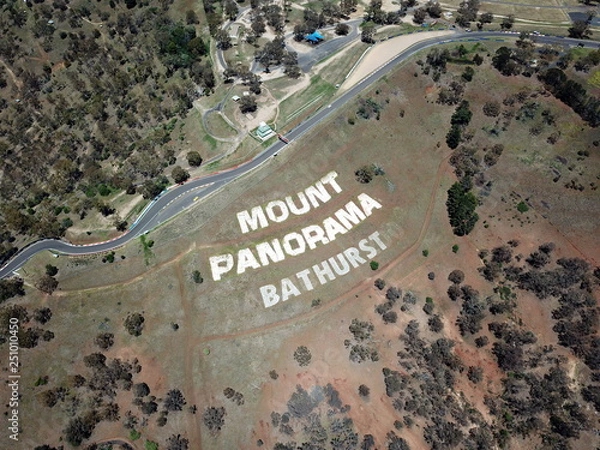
(178, 198)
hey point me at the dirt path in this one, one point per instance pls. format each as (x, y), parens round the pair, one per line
(12, 75)
(442, 168)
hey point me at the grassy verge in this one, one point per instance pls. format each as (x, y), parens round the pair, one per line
(218, 127)
(299, 106)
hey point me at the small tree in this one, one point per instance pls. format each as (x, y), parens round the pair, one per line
(456, 276)
(507, 22)
(134, 324)
(179, 174)
(197, 277)
(491, 108)
(365, 174)
(302, 356)
(368, 30)
(475, 374)
(248, 104)
(42, 315)
(51, 270)
(174, 400)
(194, 159)
(105, 340)
(342, 29)
(214, 418)
(176, 442)
(374, 265)
(363, 390)
(47, 284)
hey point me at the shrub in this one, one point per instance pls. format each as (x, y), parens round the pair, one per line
(363, 390)
(194, 159)
(302, 356)
(197, 277)
(134, 324)
(390, 317)
(456, 276)
(214, 418)
(51, 270)
(522, 207)
(105, 340)
(374, 265)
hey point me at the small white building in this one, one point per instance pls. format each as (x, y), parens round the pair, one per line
(264, 132)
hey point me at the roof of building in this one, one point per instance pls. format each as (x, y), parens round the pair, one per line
(314, 37)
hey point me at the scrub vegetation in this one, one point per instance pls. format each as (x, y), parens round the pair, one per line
(475, 328)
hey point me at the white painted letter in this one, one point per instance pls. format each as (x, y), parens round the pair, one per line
(317, 191)
(294, 209)
(320, 273)
(350, 216)
(271, 251)
(365, 247)
(375, 237)
(246, 259)
(288, 247)
(313, 234)
(288, 288)
(303, 275)
(368, 204)
(269, 295)
(353, 255)
(330, 179)
(220, 265)
(333, 228)
(254, 219)
(271, 214)
(345, 267)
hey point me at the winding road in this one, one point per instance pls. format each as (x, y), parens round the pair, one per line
(176, 199)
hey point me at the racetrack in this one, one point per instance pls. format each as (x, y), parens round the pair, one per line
(178, 198)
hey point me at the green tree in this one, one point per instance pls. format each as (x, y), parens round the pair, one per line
(342, 29)
(11, 287)
(179, 174)
(507, 22)
(368, 31)
(453, 136)
(194, 159)
(47, 284)
(580, 30)
(462, 115)
(197, 277)
(51, 270)
(461, 205)
(248, 104)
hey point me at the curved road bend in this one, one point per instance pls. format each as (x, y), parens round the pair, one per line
(175, 200)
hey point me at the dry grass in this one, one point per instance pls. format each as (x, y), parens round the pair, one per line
(244, 340)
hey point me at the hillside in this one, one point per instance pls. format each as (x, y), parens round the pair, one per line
(436, 286)
(90, 96)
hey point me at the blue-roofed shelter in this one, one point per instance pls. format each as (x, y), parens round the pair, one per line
(314, 38)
